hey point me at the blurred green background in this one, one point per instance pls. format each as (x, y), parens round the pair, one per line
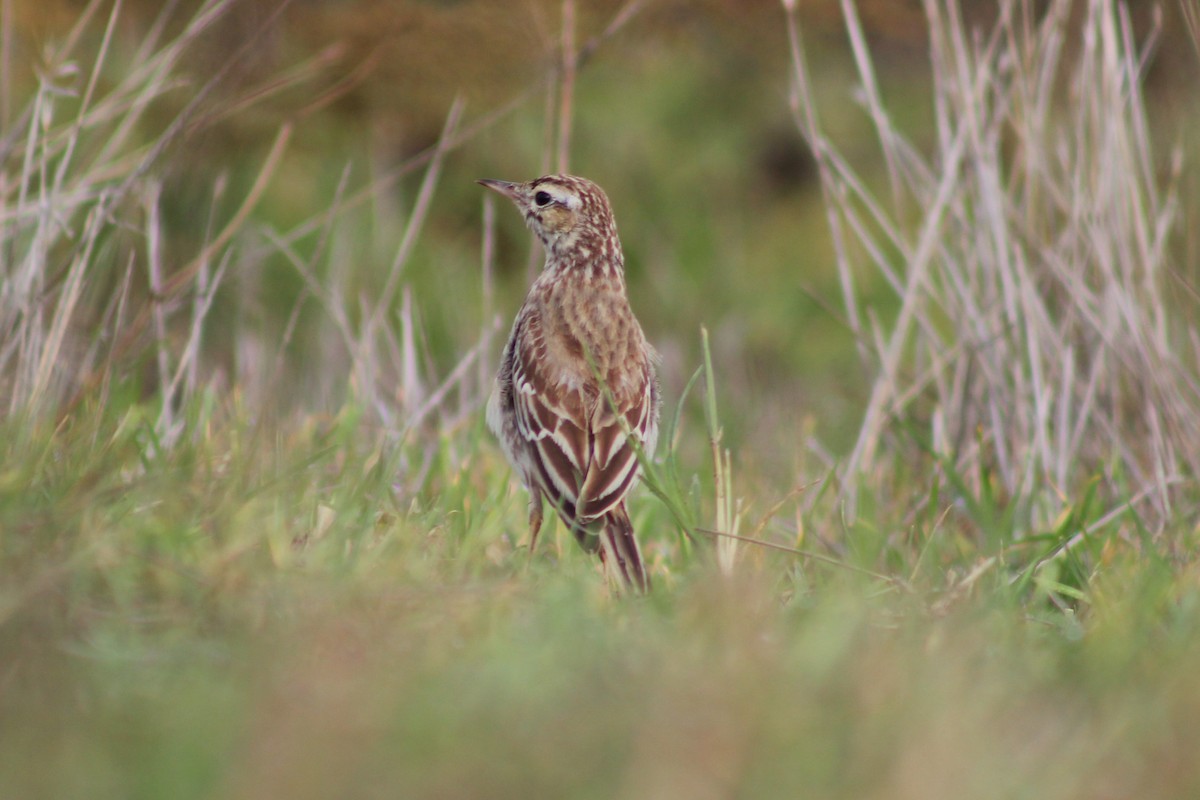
(683, 116)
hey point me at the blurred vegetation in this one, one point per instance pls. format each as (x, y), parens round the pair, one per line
(254, 538)
(682, 117)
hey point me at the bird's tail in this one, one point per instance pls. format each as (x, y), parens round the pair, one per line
(619, 549)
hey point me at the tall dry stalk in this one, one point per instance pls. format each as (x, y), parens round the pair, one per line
(69, 162)
(1034, 343)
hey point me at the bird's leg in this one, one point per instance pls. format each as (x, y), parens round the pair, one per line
(535, 520)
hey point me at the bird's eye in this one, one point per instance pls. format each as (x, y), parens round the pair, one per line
(542, 198)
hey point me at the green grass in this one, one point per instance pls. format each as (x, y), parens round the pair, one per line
(266, 622)
(255, 544)
(259, 614)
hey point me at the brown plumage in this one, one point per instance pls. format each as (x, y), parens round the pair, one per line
(575, 340)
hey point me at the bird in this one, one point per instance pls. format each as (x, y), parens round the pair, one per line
(577, 394)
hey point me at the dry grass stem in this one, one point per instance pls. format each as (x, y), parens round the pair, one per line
(1033, 335)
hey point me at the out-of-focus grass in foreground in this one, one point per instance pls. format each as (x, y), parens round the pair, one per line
(258, 619)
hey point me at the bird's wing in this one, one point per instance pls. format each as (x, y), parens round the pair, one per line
(576, 438)
(551, 419)
(628, 409)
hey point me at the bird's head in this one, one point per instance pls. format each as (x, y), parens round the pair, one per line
(571, 215)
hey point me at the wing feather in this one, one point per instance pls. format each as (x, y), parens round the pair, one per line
(577, 446)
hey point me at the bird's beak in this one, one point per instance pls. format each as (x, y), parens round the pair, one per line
(506, 188)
